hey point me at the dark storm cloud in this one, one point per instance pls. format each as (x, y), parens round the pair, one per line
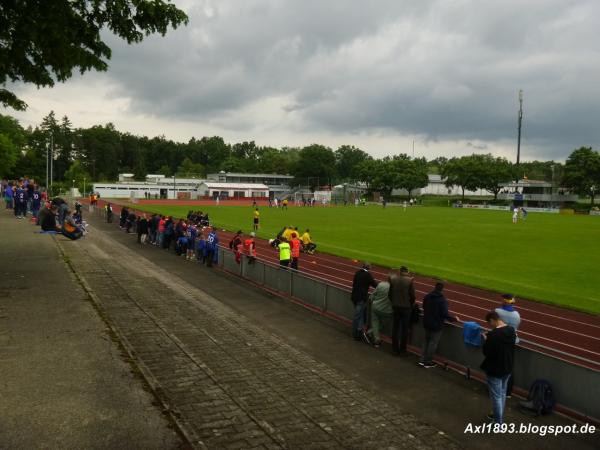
(444, 70)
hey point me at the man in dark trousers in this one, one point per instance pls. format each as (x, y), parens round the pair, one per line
(363, 280)
(498, 349)
(435, 312)
(402, 296)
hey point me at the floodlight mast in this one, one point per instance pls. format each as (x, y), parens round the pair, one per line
(520, 124)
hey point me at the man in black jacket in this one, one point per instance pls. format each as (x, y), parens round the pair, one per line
(363, 280)
(498, 349)
(435, 312)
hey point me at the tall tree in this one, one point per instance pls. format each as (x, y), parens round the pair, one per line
(9, 153)
(411, 173)
(582, 172)
(494, 171)
(77, 176)
(347, 158)
(315, 166)
(189, 169)
(43, 41)
(462, 172)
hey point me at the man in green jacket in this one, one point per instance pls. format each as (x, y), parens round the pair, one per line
(381, 310)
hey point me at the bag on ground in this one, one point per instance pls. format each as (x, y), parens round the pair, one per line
(540, 400)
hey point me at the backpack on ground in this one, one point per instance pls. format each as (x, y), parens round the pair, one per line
(540, 400)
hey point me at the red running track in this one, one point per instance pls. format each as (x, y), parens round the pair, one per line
(563, 333)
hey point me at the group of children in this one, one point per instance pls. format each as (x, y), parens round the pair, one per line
(23, 196)
(192, 238)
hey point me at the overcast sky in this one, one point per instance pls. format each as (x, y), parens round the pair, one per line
(378, 74)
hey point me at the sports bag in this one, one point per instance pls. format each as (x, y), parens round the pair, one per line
(540, 400)
(472, 334)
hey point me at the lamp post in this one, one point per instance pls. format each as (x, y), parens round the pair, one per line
(83, 187)
(552, 188)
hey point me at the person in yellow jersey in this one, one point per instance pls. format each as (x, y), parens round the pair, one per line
(285, 253)
(287, 234)
(307, 243)
(256, 219)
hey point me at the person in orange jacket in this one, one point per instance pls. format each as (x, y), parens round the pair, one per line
(295, 245)
(250, 248)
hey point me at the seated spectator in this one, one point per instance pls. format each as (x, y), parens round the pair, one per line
(70, 228)
(47, 219)
(308, 246)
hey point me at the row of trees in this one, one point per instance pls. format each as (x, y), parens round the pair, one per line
(101, 152)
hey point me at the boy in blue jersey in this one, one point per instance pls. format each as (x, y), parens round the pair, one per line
(20, 203)
(181, 245)
(36, 202)
(212, 245)
(191, 234)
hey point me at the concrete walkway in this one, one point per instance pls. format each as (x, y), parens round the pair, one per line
(64, 382)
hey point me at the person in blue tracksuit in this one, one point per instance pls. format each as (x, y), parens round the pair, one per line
(20, 203)
(212, 245)
(36, 202)
(201, 247)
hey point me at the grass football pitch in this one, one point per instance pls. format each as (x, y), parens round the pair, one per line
(549, 257)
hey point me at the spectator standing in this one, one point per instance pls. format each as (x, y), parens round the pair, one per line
(362, 281)
(285, 252)
(9, 195)
(295, 247)
(191, 234)
(510, 316)
(235, 246)
(498, 349)
(142, 229)
(212, 245)
(123, 216)
(36, 202)
(402, 296)
(435, 312)
(20, 202)
(109, 213)
(381, 311)
(162, 224)
(250, 248)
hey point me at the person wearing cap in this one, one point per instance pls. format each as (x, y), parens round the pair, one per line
(250, 248)
(509, 316)
(362, 281)
(435, 312)
(402, 296)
